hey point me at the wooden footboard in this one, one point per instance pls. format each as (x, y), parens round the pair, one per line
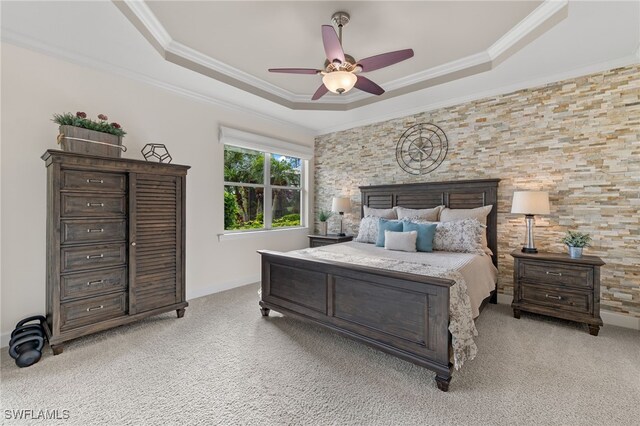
(404, 314)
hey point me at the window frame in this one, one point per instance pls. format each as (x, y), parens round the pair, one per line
(268, 147)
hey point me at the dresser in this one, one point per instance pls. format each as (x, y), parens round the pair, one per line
(325, 240)
(556, 285)
(115, 243)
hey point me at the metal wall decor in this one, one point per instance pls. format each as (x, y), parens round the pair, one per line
(421, 148)
(158, 151)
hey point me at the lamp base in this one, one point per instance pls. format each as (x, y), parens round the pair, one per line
(342, 234)
(529, 250)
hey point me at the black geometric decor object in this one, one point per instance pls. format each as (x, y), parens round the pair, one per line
(422, 148)
(157, 151)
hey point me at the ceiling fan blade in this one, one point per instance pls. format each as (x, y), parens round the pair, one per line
(322, 90)
(366, 85)
(295, 70)
(332, 47)
(384, 60)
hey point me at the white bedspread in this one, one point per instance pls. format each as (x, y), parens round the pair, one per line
(475, 278)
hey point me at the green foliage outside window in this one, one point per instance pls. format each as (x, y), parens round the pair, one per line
(245, 203)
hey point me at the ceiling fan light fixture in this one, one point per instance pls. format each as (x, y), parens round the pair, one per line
(339, 81)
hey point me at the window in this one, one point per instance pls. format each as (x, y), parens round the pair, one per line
(263, 189)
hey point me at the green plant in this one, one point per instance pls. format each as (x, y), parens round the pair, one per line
(230, 210)
(80, 120)
(576, 239)
(324, 215)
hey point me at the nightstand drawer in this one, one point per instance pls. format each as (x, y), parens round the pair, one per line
(556, 274)
(553, 297)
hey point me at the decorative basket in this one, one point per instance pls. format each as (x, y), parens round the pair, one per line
(85, 141)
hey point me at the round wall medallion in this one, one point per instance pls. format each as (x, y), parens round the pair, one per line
(421, 149)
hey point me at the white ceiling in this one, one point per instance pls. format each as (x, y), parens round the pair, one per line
(254, 36)
(594, 36)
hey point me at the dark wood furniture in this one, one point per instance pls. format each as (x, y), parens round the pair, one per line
(403, 314)
(115, 242)
(555, 284)
(325, 240)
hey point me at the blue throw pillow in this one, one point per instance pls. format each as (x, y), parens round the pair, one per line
(387, 225)
(426, 232)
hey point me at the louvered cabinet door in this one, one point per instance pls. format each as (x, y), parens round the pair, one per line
(155, 235)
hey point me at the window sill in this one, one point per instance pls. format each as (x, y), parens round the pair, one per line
(263, 232)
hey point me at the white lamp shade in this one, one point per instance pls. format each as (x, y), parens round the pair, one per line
(530, 202)
(339, 81)
(340, 204)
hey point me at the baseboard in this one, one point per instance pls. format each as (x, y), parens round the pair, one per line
(228, 285)
(608, 317)
(4, 340)
(619, 320)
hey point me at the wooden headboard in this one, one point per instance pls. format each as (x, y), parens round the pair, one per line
(462, 194)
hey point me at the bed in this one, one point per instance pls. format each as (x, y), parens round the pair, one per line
(403, 313)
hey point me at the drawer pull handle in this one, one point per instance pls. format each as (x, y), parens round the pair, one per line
(548, 296)
(95, 308)
(95, 181)
(95, 282)
(95, 204)
(95, 256)
(95, 230)
(557, 274)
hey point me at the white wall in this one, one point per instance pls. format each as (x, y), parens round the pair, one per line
(35, 86)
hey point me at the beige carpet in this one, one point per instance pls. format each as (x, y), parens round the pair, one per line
(224, 364)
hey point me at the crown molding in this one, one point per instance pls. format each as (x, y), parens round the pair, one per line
(549, 12)
(632, 59)
(540, 15)
(30, 43)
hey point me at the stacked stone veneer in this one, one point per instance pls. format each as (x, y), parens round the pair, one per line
(578, 139)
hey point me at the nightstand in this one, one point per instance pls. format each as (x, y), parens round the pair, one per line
(325, 240)
(556, 285)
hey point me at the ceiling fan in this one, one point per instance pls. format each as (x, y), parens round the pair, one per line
(341, 71)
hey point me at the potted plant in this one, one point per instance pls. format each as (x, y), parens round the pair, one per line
(84, 135)
(323, 216)
(576, 241)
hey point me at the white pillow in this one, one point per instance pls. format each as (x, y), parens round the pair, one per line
(368, 230)
(403, 241)
(423, 214)
(479, 213)
(384, 213)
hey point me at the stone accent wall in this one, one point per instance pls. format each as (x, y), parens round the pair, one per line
(578, 139)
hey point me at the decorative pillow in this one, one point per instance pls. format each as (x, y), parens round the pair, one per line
(386, 213)
(423, 214)
(387, 225)
(368, 230)
(479, 213)
(403, 241)
(426, 232)
(459, 236)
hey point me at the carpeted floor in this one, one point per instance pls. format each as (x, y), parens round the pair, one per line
(224, 364)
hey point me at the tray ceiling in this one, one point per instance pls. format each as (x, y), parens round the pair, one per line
(235, 42)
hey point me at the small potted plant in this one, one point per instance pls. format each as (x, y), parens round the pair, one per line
(576, 241)
(323, 216)
(84, 135)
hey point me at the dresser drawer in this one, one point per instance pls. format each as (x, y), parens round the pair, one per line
(557, 298)
(80, 180)
(92, 230)
(96, 256)
(92, 283)
(556, 274)
(319, 243)
(91, 311)
(96, 204)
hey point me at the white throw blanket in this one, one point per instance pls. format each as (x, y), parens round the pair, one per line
(461, 323)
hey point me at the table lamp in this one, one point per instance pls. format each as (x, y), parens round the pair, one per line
(341, 205)
(530, 203)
